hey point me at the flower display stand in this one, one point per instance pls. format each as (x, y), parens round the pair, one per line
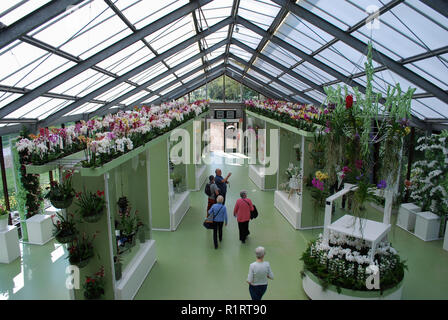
(136, 271)
(40, 229)
(407, 216)
(427, 226)
(179, 206)
(9, 244)
(201, 176)
(256, 174)
(315, 291)
(289, 207)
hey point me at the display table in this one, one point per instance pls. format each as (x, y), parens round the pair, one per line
(406, 216)
(136, 271)
(256, 174)
(427, 226)
(365, 229)
(40, 229)
(289, 208)
(179, 206)
(9, 244)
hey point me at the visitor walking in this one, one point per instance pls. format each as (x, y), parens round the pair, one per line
(218, 212)
(222, 183)
(212, 191)
(259, 273)
(243, 207)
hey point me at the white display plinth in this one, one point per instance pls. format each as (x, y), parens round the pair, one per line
(427, 226)
(9, 244)
(179, 206)
(365, 229)
(256, 174)
(406, 216)
(289, 208)
(201, 176)
(136, 271)
(40, 229)
(445, 242)
(316, 292)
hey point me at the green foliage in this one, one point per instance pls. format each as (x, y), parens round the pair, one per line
(81, 249)
(94, 285)
(61, 191)
(90, 203)
(65, 227)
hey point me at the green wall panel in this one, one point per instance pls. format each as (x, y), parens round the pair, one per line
(159, 185)
(270, 181)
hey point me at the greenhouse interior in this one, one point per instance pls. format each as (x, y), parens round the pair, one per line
(127, 126)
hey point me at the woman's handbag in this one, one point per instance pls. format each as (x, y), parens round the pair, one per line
(253, 213)
(210, 224)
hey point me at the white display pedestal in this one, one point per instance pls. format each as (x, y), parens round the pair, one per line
(179, 206)
(256, 174)
(136, 271)
(445, 242)
(201, 176)
(40, 229)
(406, 216)
(9, 244)
(365, 229)
(427, 226)
(289, 208)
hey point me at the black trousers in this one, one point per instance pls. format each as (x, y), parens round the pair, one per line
(257, 292)
(217, 229)
(244, 230)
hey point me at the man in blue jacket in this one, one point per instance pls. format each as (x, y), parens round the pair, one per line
(218, 213)
(222, 183)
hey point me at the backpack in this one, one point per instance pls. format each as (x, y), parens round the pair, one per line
(207, 190)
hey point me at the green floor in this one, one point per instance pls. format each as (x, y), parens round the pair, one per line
(188, 267)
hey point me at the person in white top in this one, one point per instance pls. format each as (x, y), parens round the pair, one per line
(259, 273)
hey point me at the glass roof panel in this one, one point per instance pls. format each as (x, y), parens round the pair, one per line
(294, 82)
(135, 97)
(188, 68)
(149, 73)
(183, 55)
(172, 34)
(9, 14)
(425, 109)
(214, 12)
(267, 67)
(115, 92)
(216, 53)
(417, 27)
(127, 58)
(313, 73)
(7, 97)
(142, 12)
(236, 64)
(433, 69)
(178, 84)
(83, 83)
(85, 108)
(326, 10)
(435, 104)
(243, 54)
(258, 76)
(280, 88)
(35, 108)
(259, 12)
(216, 36)
(280, 55)
(246, 36)
(162, 82)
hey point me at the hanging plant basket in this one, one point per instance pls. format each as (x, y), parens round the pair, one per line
(92, 217)
(93, 294)
(62, 204)
(65, 238)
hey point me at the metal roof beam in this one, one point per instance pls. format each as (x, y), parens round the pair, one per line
(136, 70)
(362, 47)
(280, 82)
(441, 6)
(234, 12)
(103, 54)
(34, 20)
(150, 82)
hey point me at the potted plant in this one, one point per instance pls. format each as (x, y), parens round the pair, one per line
(94, 286)
(91, 205)
(118, 267)
(65, 229)
(61, 194)
(4, 214)
(128, 226)
(80, 250)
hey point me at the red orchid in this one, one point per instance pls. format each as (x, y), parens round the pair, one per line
(348, 101)
(100, 193)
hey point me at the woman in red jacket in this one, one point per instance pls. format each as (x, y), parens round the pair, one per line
(242, 210)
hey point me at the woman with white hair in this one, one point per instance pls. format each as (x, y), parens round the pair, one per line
(259, 273)
(243, 207)
(218, 212)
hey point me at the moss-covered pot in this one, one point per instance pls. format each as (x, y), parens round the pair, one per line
(94, 217)
(62, 204)
(314, 290)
